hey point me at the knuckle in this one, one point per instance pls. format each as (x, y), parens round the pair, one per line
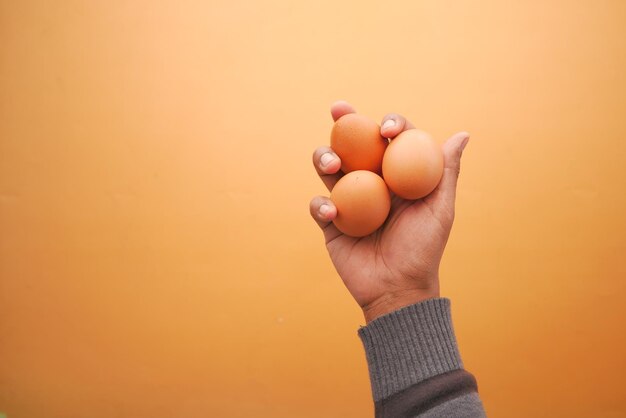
(454, 169)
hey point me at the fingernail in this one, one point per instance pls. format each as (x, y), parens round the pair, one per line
(389, 123)
(324, 210)
(326, 159)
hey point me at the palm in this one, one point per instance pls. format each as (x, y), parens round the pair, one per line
(403, 254)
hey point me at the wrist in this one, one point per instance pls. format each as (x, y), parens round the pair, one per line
(392, 301)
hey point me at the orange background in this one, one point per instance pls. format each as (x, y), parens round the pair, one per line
(156, 252)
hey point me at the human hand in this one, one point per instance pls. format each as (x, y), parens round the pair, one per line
(398, 264)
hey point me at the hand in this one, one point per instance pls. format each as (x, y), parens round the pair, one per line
(397, 265)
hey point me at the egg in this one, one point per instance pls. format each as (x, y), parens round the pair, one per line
(357, 141)
(362, 200)
(412, 164)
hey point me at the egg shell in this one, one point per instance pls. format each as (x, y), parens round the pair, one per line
(357, 141)
(413, 164)
(362, 200)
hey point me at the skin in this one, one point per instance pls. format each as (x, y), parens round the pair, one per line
(397, 265)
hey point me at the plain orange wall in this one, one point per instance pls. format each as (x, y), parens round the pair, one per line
(156, 252)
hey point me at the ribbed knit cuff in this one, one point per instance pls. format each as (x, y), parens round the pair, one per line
(410, 345)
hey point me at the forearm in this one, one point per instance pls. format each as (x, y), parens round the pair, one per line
(415, 366)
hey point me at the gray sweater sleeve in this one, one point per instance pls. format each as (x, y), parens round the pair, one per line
(415, 367)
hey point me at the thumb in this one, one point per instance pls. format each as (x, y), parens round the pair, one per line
(444, 195)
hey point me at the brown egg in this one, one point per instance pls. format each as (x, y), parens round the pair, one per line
(413, 164)
(362, 201)
(357, 141)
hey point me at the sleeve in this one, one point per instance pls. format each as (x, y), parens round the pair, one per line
(415, 367)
